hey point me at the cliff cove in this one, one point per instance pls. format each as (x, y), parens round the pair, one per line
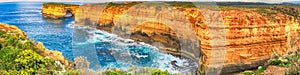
(253, 34)
(149, 38)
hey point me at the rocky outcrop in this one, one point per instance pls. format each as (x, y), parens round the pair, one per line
(56, 10)
(56, 55)
(240, 39)
(8, 28)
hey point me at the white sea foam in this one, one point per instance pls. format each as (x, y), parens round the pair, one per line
(124, 57)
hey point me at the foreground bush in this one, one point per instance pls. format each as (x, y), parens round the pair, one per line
(19, 56)
(136, 71)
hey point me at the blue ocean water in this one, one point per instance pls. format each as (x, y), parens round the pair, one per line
(102, 49)
(27, 16)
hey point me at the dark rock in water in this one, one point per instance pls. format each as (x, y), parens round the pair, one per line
(174, 63)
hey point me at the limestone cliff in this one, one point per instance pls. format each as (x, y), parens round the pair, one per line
(56, 10)
(251, 38)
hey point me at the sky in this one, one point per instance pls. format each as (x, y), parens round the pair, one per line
(266, 1)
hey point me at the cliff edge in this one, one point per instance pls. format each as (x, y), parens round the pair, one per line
(251, 37)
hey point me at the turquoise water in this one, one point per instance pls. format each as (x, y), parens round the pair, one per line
(102, 49)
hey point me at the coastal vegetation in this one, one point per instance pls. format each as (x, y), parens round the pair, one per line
(55, 3)
(18, 55)
(262, 8)
(291, 64)
(267, 10)
(136, 71)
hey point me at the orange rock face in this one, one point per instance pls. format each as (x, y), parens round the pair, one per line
(238, 40)
(55, 11)
(252, 38)
(8, 28)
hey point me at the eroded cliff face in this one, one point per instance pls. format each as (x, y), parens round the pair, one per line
(56, 11)
(251, 38)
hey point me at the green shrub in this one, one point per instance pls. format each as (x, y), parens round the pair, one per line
(262, 10)
(138, 71)
(28, 59)
(282, 62)
(72, 72)
(2, 32)
(7, 56)
(294, 68)
(161, 73)
(249, 73)
(260, 70)
(110, 72)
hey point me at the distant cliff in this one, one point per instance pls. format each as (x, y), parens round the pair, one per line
(251, 37)
(57, 10)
